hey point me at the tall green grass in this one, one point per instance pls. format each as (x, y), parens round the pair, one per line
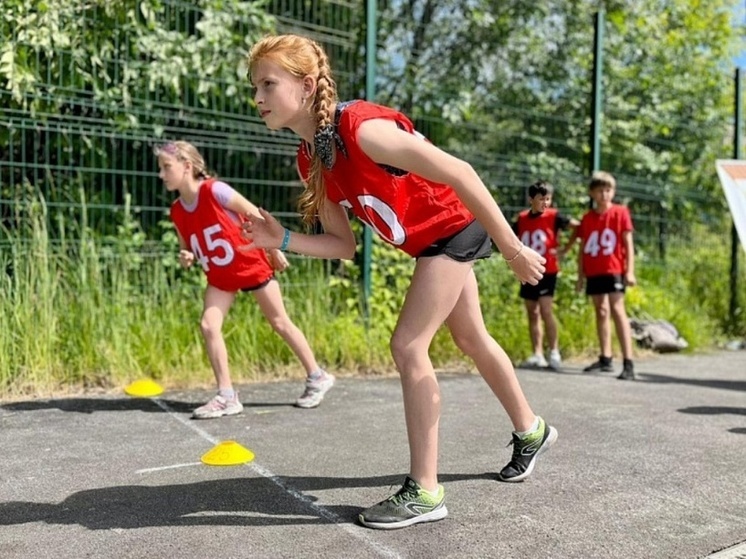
(83, 312)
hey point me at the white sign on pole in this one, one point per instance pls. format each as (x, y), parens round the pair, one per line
(732, 174)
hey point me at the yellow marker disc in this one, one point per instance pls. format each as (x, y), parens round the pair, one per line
(143, 388)
(227, 453)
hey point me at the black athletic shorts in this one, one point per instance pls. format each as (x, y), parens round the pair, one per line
(545, 288)
(471, 243)
(600, 285)
(258, 286)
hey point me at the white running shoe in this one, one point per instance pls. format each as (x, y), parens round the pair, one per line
(315, 391)
(218, 407)
(535, 361)
(555, 360)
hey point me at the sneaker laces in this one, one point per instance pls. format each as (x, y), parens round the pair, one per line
(309, 391)
(518, 442)
(516, 448)
(404, 494)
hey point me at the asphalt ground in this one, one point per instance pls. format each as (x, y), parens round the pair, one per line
(654, 468)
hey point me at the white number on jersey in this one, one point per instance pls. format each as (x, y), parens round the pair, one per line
(213, 245)
(604, 243)
(386, 213)
(536, 240)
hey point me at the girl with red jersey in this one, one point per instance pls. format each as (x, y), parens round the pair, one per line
(368, 159)
(606, 264)
(208, 214)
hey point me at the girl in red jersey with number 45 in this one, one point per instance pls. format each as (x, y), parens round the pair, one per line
(208, 215)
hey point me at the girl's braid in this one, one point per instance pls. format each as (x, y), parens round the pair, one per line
(312, 199)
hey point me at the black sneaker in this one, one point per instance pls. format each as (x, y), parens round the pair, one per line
(628, 371)
(525, 452)
(603, 365)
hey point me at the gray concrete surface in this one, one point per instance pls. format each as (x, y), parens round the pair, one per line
(646, 469)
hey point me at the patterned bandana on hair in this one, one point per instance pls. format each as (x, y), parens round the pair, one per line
(168, 148)
(323, 141)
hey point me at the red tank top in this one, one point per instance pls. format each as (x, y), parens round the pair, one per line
(539, 232)
(212, 235)
(404, 209)
(602, 246)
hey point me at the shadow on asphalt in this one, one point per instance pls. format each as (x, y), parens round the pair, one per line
(708, 383)
(717, 410)
(642, 376)
(91, 405)
(246, 501)
(713, 410)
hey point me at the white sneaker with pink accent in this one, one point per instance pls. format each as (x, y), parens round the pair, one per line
(218, 407)
(315, 391)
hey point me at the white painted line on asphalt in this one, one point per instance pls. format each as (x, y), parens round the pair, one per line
(148, 470)
(356, 532)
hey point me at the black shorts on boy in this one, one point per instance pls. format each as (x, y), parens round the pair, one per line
(607, 283)
(545, 288)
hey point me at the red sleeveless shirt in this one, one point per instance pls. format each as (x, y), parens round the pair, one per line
(602, 244)
(539, 232)
(404, 209)
(212, 235)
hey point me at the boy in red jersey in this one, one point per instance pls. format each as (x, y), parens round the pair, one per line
(208, 215)
(368, 159)
(606, 263)
(538, 227)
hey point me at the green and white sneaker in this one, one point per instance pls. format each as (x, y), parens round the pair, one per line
(526, 450)
(410, 505)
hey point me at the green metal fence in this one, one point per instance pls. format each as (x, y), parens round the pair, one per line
(84, 106)
(83, 137)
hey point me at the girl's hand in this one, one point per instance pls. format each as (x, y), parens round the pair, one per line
(630, 279)
(528, 265)
(186, 258)
(277, 259)
(262, 232)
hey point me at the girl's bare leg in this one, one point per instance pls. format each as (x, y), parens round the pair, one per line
(436, 286)
(470, 334)
(216, 306)
(269, 299)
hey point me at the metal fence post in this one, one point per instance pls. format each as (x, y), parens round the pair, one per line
(737, 153)
(370, 93)
(597, 91)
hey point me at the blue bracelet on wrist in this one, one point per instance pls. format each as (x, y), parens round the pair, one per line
(285, 240)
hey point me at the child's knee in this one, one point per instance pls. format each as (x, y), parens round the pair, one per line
(281, 325)
(466, 344)
(602, 311)
(209, 327)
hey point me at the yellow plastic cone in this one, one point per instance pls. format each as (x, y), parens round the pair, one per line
(227, 453)
(143, 388)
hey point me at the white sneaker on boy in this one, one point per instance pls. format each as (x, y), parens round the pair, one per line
(555, 360)
(535, 361)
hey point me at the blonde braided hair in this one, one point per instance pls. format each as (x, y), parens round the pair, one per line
(301, 57)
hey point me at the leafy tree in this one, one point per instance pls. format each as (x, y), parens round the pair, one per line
(102, 79)
(514, 80)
